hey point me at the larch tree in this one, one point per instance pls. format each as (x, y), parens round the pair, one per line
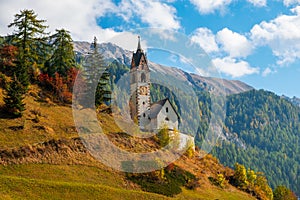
(240, 175)
(30, 38)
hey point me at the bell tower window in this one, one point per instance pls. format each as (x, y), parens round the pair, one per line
(143, 78)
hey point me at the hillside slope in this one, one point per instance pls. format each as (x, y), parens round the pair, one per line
(41, 157)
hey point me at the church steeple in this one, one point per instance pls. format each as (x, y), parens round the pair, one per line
(139, 48)
(140, 88)
(139, 59)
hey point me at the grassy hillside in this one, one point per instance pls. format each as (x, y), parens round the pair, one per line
(41, 157)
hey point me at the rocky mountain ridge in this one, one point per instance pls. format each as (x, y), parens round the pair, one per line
(112, 52)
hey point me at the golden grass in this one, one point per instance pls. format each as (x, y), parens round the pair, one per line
(45, 120)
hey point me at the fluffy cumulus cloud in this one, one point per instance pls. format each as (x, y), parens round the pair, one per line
(206, 39)
(233, 67)
(282, 35)
(79, 17)
(227, 48)
(210, 6)
(235, 44)
(152, 12)
(258, 3)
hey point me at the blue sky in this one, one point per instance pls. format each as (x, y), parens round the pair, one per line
(255, 41)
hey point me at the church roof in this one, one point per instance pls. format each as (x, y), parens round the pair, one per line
(138, 55)
(156, 107)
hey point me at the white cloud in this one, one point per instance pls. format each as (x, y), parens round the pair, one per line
(206, 39)
(268, 71)
(291, 2)
(233, 67)
(152, 12)
(235, 44)
(79, 17)
(232, 45)
(258, 3)
(282, 35)
(210, 6)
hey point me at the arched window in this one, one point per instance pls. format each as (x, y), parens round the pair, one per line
(167, 119)
(143, 78)
(167, 109)
(144, 115)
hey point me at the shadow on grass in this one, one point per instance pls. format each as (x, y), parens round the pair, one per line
(4, 114)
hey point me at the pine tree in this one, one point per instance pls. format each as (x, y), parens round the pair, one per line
(96, 76)
(14, 97)
(63, 57)
(29, 37)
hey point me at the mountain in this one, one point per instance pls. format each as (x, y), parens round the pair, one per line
(261, 129)
(112, 52)
(294, 100)
(269, 128)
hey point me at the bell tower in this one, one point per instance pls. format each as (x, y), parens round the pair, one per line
(140, 88)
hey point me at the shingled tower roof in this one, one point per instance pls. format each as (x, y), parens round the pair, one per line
(139, 56)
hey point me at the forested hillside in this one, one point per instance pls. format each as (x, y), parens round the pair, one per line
(269, 127)
(261, 129)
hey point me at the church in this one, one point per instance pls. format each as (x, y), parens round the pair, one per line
(149, 116)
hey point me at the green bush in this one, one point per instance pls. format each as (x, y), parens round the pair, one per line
(169, 185)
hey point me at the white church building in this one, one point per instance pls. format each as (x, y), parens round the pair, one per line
(149, 116)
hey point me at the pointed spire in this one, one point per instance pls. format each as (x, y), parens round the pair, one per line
(139, 44)
(95, 44)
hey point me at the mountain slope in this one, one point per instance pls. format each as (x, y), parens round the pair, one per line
(112, 52)
(45, 159)
(254, 119)
(269, 127)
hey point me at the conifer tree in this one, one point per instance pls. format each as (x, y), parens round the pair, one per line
(29, 37)
(63, 57)
(96, 76)
(14, 97)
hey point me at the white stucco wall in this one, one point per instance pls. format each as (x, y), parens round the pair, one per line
(171, 115)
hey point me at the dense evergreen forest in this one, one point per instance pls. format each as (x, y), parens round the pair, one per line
(269, 127)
